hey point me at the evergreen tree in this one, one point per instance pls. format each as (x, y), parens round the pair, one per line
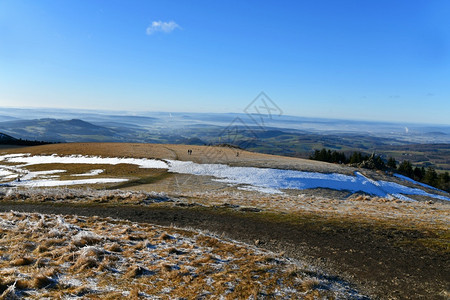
(356, 158)
(315, 155)
(444, 181)
(323, 155)
(430, 177)
(445, 177)
(418, 175)
(405, 168)
(392, 163)
(379, 163)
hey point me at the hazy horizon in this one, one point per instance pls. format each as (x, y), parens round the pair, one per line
(136, 113)
(371, 61)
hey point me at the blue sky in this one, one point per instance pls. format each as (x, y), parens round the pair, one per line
(369, 60)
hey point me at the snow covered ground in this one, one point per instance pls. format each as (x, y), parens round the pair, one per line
(275, 180)
(265, 180)
(80, 159)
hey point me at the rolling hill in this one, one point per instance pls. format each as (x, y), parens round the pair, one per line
(6, 139)
(56, 130)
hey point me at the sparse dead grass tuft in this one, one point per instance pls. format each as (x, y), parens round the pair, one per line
(310, 284)
(84, 263)
(86, 240)
(41, 281)
(135, 271)
(113, 247)
(166, 237)
(23, 261)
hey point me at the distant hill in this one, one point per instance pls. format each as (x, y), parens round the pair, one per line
(430, 142)
(7, 139)
(6, 118)
(56, 130)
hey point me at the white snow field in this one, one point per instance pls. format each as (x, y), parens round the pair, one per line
(274, 180)
(265, 180)
(80, 159)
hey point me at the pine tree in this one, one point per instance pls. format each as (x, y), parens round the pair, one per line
(446, 177)
(392, 163)
(430, 176)
(356, 158)
(418, 175)
(405, 168)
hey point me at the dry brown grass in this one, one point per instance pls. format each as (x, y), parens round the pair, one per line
(135, 271)
(41, 281)
(114, 247)
(22, 261)
(85, 195)
(393, 212)
(95, 257)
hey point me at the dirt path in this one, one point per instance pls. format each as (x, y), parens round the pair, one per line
(369, 257)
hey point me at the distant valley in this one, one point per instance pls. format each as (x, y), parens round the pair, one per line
(423, 145)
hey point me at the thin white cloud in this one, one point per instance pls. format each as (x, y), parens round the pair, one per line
(160, 26)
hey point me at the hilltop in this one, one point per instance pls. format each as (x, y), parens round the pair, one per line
(358, 225)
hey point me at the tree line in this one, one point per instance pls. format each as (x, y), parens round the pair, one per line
(356, 158)
(376, 162)
(21, 142)
(428, 175)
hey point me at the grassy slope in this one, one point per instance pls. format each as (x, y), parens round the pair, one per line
(379, 257)
(67, 256)
(429, 240)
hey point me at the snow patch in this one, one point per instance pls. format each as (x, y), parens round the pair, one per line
(275, 180)
(91, 173)
(49, 183)
(31, 175)
(80, 159)
(265, 180)
(5, 173)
